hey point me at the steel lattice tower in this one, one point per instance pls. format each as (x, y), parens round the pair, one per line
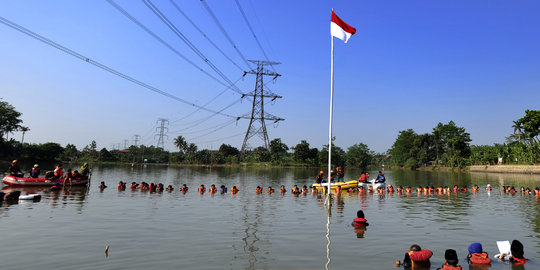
(162, 130)
(257, 124)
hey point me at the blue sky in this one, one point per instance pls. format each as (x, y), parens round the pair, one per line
(411, 64)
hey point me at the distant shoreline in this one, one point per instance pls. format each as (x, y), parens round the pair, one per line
(525, 169)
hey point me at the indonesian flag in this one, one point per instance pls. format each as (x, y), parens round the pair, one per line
(340, 29)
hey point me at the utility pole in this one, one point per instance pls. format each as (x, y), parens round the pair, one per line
(257, 124)
(136, 139)
(162, 130)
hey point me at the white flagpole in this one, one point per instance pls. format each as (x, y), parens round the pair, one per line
(331, 110)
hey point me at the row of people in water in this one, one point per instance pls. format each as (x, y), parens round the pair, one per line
(304, 189)
(143, 186)
(442, 190)
(420, 258)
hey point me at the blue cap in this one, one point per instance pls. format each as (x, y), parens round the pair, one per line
(475, 248)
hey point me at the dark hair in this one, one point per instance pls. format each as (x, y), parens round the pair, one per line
(451, 257)
(517, 249)
(415, 247)
(360, 214)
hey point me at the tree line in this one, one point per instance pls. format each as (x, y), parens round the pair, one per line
(447, 145)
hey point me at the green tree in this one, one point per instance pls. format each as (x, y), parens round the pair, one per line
(229, 153)
(529, 125)
(302, 153)
(70, 153)
(359, 155)
(278, 150)
(181, 143)
(454, 142)
(9, 119)
(261, 154)
(105, 155)
(403, 148)
(338, 155)
(228, 150)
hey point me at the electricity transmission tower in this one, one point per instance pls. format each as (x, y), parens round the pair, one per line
(136, 139)
(162, 130)
(257, 125)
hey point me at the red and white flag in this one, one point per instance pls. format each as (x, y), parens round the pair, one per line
(340, 29)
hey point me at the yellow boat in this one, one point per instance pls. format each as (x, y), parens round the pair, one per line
(335, 185)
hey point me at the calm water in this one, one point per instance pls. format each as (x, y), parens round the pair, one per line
(70, 229)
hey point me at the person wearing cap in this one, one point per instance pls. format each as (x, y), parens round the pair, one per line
(380, 178)
(34, 172)
(417, 257)
(477, 255)
(488, 187)
(320, 177)
(14, 169)
(516, 253)
(450, 260)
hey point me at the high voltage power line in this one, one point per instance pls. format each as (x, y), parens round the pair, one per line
(204, 35)
(192, 46)
(106, 68)
(164, 43)
(220, 26)
(252, 32)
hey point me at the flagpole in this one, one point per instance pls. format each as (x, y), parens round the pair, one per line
(331, 112)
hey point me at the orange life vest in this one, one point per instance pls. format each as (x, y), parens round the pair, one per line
(360, 222)
(449, 267)
(480, 258)
(518, 260)
(58, 172)
(420, 256)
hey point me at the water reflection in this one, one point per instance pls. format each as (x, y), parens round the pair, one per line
(72, 195)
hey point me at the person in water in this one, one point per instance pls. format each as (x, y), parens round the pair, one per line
(14, 169)
(234, 190)
(295, 190)
(477, 256)
(169, 188)
(222, 189)
(258, 190)
(417, 257)
(202, 189)
(360, 219)
(516, 254)
(380, 178)
(450, 260)
(102, 186)
(184, 188)
(360, 224)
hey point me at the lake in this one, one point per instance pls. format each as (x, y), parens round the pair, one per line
(69, 229)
